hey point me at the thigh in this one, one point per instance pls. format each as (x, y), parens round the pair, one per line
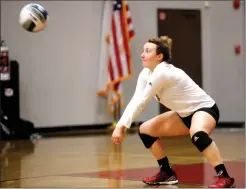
(166, 124)
(202, 121)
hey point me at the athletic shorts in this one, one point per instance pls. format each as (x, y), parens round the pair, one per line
(213, 111)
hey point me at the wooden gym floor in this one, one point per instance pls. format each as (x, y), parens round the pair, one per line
(93, 161)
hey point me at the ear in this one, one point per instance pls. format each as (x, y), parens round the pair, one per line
(160, 57)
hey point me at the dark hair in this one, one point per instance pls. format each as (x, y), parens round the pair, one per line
(164, 46)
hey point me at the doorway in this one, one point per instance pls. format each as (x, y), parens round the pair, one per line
(184, 27)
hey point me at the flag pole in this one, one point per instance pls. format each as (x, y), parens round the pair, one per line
(116, 113)
(113, 125)
(119, 109)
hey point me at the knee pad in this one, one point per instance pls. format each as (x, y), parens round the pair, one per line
(201, 140)
(147, 140)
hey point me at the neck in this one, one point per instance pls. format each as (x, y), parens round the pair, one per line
(153, 68)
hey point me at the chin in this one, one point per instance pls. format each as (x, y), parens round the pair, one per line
(145, 65)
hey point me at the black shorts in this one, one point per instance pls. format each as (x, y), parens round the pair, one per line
(213, 111)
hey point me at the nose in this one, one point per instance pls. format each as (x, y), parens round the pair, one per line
(142, 55)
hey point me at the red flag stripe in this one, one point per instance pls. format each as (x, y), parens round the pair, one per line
(116, 47)
(110, 69)
(129, 21)
(125, 41)
(120, 36)
(131, 34)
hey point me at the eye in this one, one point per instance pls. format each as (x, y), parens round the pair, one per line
(146, 50)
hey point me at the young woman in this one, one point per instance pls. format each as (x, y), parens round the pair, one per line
(193, 112)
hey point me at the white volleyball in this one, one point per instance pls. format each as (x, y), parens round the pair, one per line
(33, 18)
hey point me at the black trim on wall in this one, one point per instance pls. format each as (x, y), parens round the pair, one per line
(102, 127)
(72, 128)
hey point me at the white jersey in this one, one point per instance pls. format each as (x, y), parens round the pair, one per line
(172, 87)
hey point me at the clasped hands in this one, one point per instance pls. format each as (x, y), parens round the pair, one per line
(118, 134)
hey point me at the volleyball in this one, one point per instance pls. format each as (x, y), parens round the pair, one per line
(33, 18)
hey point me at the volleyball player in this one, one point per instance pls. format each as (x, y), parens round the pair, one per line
(193, 112)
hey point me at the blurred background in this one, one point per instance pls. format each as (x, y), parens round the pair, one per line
(56, 74)
(59, 67)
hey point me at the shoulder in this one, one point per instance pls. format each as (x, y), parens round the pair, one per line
(165, 70)
(165, 67)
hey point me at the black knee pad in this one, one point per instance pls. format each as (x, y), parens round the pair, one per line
(147, 140)
(201, 140)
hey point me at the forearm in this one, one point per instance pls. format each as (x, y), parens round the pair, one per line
(131, 112)
(141, 99)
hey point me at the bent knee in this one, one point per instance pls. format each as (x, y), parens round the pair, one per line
(146, 138)
(144, 128)
(148, 129)
(201, 140)
(195, 130)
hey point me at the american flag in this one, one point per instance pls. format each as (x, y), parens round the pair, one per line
(118, 48)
